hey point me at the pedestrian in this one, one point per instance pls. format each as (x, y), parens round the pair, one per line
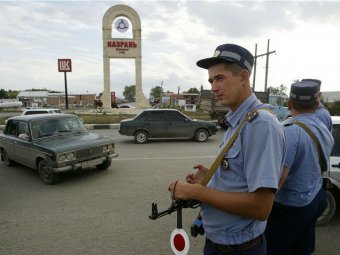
(300, 199)
(322, 112)
(239, 196)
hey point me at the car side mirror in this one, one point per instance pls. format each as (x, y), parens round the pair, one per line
(24, 136)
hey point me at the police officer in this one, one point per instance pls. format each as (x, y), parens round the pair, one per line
(238, 198)
(322, 112)
(300, 199)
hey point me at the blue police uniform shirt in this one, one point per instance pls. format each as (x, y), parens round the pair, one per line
(304, 179)
(254, 161)
(323, 114)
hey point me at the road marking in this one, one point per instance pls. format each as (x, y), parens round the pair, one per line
(191, 157)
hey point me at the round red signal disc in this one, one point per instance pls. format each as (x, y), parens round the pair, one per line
(179, 241)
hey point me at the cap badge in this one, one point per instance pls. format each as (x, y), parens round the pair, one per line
(216, 54)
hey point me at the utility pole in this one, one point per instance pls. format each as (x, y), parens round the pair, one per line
(254, 75)
(267, 64)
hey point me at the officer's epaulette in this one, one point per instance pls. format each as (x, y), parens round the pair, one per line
(255, 113)
(289, 121)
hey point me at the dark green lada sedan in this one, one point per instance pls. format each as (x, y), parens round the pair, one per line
(54, 143)
(166, 123)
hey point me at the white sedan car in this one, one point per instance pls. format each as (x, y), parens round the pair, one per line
(334, 175)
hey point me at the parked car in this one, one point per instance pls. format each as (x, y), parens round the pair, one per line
(166, 123)
(126, 106)
(333, 194)
(52, 144)
(40, 111)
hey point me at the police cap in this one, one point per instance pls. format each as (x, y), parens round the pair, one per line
(229, 53)
(314, 80)
(304, 92)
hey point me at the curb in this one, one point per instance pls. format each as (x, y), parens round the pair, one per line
(102, 126)
(90, 126)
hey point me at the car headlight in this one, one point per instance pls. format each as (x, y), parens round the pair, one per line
(62, 158)
(66, 157)
(70, 156)
(108, 147)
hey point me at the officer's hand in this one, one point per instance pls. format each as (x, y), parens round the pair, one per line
(194, 178)
(184, 191)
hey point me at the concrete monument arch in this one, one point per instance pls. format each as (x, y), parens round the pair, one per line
(122, 48)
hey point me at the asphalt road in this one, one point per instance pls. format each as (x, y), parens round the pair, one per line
(106, 212)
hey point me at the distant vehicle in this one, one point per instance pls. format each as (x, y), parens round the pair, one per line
(126, 106)
(166, 123)
(333, 175)
(40, 111)
(10, 104)
(217, 111)
(52, 144)
(279, 106)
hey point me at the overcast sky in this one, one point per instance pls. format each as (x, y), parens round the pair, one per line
(175, 34)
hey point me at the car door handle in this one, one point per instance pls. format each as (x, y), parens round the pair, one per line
(338, 165)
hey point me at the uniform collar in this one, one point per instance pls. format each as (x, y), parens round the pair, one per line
(305, 115)
(233, 118)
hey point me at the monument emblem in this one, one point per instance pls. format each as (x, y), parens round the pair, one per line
(122, 25)
(122, 48)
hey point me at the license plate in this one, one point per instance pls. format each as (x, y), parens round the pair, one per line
(91, 163)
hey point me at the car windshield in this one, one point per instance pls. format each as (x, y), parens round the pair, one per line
(52, 127)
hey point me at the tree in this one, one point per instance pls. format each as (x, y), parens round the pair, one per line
(156, 92)
(277, 91)
(3, 94)
(193, 90)
(130, 93)
(13, 93)
(334, 108)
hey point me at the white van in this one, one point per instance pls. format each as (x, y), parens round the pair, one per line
(40, 111)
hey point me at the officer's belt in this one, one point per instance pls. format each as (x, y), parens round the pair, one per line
(238, 247)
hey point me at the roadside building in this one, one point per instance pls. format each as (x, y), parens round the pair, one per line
(46, 99)
(330, 96)
(171, 98)
(33, 98)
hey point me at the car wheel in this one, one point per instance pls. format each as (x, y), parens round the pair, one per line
(141, 136)
(46, 175)
(105, 165)
(6, 159)
(328, 213)
(201, 135)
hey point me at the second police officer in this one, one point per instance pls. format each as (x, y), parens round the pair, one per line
(300, 199)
